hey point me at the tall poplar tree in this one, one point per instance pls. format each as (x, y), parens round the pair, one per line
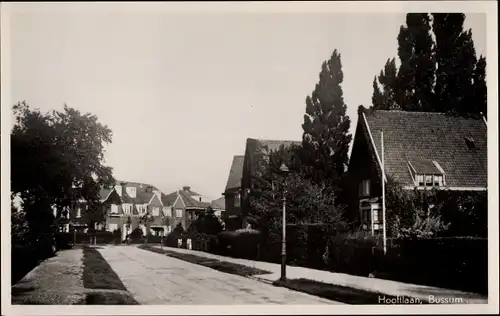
(385, 98)
(377, 96)
(326, 125)
(479, 99)
(456, 61)
(418, 66)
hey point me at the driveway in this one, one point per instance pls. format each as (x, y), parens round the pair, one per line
(157, 279)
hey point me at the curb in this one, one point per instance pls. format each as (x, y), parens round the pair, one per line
(260, 279)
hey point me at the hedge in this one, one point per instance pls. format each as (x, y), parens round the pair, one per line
(459, 263)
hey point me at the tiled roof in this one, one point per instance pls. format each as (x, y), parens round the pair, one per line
(218, 204)
(268, 145)
(187, 196)
(144, 192)
(235, 173)
(189, 201)
(168, 199)
(423, 137)
(103, 193)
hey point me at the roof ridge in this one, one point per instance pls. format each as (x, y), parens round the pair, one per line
(412, 112)
(274, 140)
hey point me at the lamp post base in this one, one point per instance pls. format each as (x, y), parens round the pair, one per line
(283, 267)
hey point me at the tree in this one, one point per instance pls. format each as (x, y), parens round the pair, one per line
(56, 161)
(456, 61)
(206, 223)
(307, 202)
(385, 99)
(417, 70)
(480, 91)
(377, 97)
(326, 135)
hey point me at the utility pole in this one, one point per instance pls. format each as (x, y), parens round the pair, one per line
(384, 227)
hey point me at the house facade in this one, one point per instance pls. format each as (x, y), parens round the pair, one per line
(254, 150)
(130, 205)
(421, 151)
(185, 206)
(232, 195)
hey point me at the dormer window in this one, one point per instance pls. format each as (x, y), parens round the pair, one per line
(132, 192)
(426, 173)
(470, 142)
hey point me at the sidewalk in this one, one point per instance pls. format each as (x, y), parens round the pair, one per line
(386, 287)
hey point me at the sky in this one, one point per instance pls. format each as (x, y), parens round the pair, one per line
(183, 91)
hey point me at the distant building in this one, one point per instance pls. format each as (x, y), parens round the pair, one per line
(421, 150)
(232, 195)
(255, 149)
(184, 206)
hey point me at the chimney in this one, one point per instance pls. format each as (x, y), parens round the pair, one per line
(186, 188)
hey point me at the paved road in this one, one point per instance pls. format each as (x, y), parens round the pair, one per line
(157, 279)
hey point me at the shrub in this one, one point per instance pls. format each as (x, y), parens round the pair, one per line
(117, 236)
(154, 239)
(63, 240)
(136, 235)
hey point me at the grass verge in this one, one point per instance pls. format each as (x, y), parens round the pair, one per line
(109, 298)
(98, 275)
(338, 293)
(222, 266)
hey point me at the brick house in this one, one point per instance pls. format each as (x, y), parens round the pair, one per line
(184, 206)
(219, 206)
(232, 195)
(421, 150)
(127, 205)
(254, 149)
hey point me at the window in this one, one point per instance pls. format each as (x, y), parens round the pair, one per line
(156, 211)
(178, 212)
(375, 216)
(365, 215)
(376, 227)
(114, 209)
(428, 180)
(141, 209)
(167, 211)
(420, 180)
(78, 213)
(438, 181)
(132, 192)
(237, 198)
(127, 209)
(364, 188)
(112, 227)
(118, 189)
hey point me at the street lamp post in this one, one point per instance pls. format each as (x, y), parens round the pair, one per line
(284, 170)
(148, 219)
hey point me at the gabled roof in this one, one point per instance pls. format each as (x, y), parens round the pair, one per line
(187, 196)
(168, 199)
(144, 192)
(235, 173)
(218, 204)
(266, 145)
(423, 138)
(190, 202)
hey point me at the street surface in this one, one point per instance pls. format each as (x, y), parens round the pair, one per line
(156, 279)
